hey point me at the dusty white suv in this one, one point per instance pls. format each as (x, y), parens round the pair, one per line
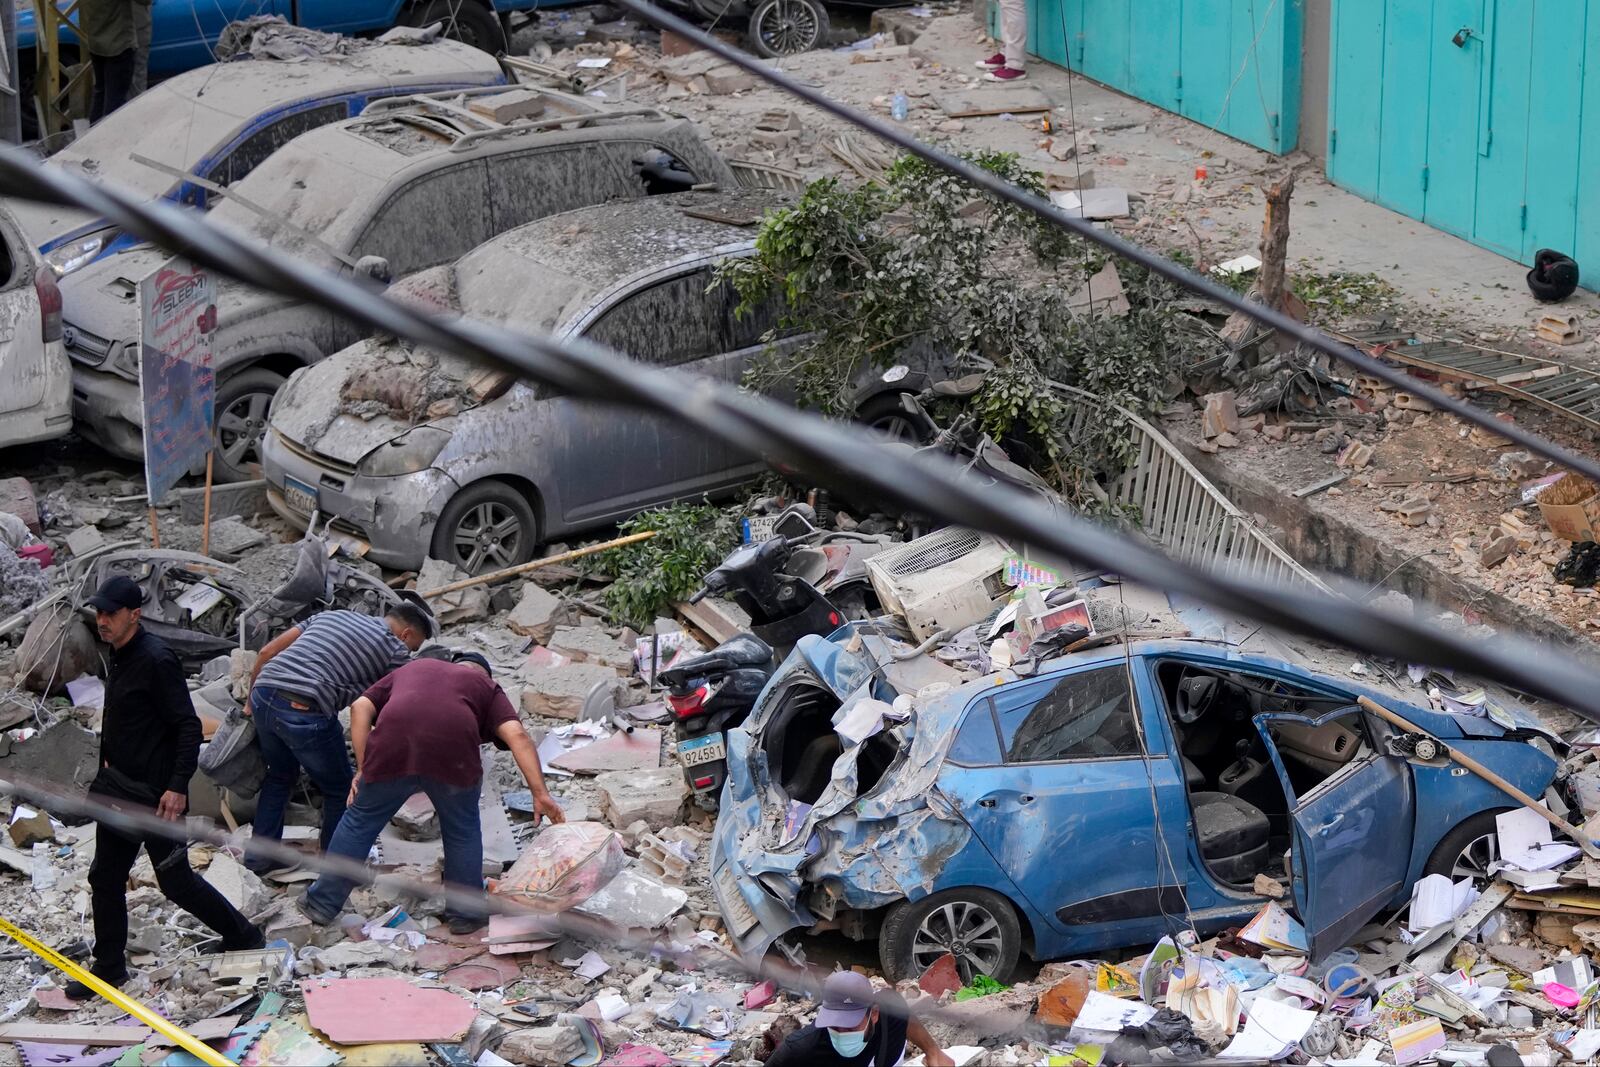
(35, 377)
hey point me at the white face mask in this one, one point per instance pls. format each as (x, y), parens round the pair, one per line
(848, 1043)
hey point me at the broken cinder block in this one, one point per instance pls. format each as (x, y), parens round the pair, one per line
(1497, 550)
(1356, 455)
(1559, 329)
(537, 613)
(1221, 415)
(558, 692)
(1414, 512)
(652, 797)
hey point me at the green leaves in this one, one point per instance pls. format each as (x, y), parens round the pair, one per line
(650, 576)
(923, 263)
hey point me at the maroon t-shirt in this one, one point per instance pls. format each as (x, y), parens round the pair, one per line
(432, 716)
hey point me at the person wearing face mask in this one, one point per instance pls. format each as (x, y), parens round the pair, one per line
(851, 1031)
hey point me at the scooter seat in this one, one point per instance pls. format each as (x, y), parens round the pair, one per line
(740, 650)
(746, 650)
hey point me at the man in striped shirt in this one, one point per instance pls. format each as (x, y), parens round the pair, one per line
(302, 679)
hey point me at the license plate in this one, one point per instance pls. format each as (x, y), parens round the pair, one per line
(300, 496)
(738, 914)
(707, 749)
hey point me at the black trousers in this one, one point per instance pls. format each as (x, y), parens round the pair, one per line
(114, 853)
(113, 82)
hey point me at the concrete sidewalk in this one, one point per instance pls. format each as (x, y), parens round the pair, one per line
(1444, 282)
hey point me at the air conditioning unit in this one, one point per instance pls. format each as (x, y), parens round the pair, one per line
(944, 581)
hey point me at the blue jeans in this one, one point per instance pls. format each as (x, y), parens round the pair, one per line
(376, 803)
(291, 738)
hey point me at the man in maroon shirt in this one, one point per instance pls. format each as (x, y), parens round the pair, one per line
(418, 731)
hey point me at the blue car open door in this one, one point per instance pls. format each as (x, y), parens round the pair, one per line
(1351, 830)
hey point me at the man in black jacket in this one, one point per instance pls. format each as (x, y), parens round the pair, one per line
(149, 745)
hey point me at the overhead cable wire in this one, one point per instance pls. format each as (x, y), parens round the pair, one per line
(1166, 268)
(837, 454)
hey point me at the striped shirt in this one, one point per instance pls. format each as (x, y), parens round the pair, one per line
(337, 656)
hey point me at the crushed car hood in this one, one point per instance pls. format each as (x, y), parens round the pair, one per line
(375, 391)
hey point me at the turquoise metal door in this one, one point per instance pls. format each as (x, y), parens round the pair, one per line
(1476, 116)
(1233, 65)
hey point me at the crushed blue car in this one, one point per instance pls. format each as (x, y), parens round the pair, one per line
(1106, 799)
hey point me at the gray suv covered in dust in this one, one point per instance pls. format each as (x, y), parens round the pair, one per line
(413, 183)
(421, 454)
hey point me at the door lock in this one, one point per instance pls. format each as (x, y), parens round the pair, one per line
(1462, 36)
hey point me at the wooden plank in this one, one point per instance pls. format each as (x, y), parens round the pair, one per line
(709, 617)
(73, 1034)
(214, 1029)
(974, 103)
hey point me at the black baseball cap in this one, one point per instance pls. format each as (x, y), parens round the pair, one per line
(474, 657)
(118, 591)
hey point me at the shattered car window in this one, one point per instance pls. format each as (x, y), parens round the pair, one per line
(669, 323)
(1083, 716)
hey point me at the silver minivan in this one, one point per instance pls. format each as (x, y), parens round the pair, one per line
(414, 182)
(419, 454)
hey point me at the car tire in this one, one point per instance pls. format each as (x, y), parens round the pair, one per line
(911, 924)
(885, 414)
(1466, 851)
(475, 514)
(467, 21)
(787, 27)
(243, 402)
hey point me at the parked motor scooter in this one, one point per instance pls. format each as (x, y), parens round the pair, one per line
(709, 695)
(776, 582)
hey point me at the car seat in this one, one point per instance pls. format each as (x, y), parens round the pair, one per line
(1193, 776)
(1232, 835)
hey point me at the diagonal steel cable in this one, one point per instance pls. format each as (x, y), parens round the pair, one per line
(836, 454)
(1049, 213)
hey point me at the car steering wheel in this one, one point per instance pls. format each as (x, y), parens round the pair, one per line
(1197, 693)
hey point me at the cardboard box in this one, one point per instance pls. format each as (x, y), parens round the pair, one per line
(1571, 508)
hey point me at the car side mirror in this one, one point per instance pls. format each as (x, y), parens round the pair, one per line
(375, 268)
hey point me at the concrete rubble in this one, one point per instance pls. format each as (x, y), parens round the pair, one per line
(643, 974)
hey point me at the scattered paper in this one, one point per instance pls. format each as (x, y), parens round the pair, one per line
(1271, 1030)
(612, 1007)
(595, 63)
(1416, 1041)
(1370, 1056)
(1101, 1011)
(1526, 841)
(1584, 1046)
(864, 719)
(87, 692)
(1435, 900)
(395, 925)
(1237, 265)
(590, 965)
(1275, 928)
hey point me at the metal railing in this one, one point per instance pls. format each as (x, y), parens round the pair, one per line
(1182, 512)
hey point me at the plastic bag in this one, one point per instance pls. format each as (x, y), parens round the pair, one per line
(564, 866)
(232, 758)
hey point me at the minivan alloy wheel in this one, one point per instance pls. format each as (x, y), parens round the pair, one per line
(488, 536)
(240, 427)
(964, 929)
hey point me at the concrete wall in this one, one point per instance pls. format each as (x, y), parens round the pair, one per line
(1315, 48)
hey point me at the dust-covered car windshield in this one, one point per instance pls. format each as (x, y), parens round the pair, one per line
(304, 198)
